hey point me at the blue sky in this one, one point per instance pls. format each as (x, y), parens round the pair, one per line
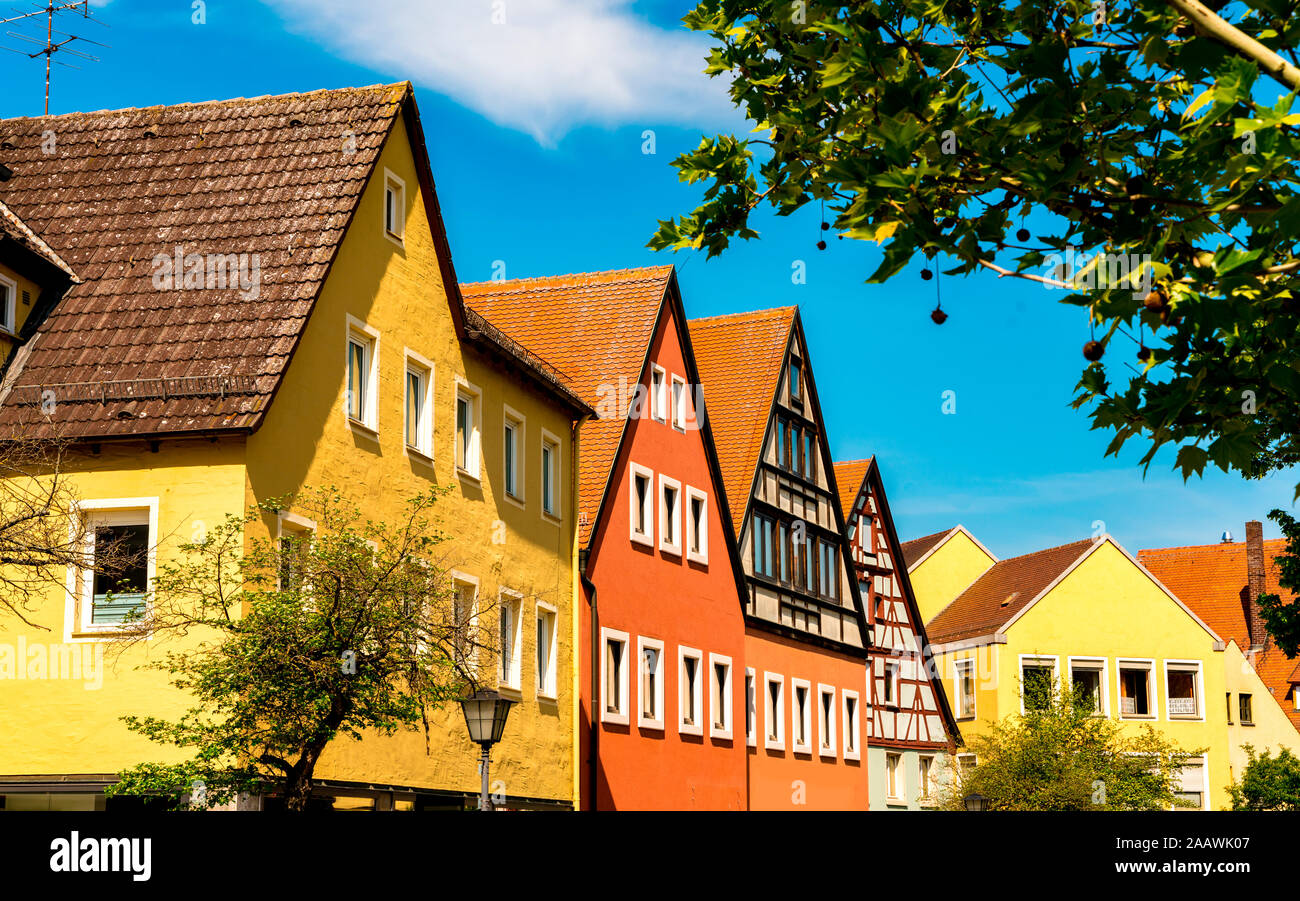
(535, 130)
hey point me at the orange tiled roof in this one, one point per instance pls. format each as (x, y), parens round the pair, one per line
(1002, 591)
(739, 358)
(1211, 580)
(849, 475)
(918, 547)
(594, 328)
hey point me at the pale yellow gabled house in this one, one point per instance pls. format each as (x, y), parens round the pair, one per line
(1089, 614)
(941, 565)
(221, 303)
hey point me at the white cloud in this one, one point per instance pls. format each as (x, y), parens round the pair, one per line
(552, 65)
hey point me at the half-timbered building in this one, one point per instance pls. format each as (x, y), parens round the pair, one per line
(806, 636)
(911, 732)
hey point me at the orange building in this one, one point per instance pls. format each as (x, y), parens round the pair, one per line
(661, 643)
(806, 635)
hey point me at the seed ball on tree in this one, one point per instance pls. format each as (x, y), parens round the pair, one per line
(1093, 350)
(821, 245)
(1156, 301)
(1022, 234)
(1144, 353)
(926, 275)
(826, 226)
(939, 316)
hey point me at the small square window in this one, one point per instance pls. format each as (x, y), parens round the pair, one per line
(1183, 690)
(690, 691)
(1135, 700)
(394, 207)
(115, 588)
(614, 677)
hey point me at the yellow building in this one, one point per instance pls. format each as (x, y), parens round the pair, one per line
(320, 263)
(1086, 614)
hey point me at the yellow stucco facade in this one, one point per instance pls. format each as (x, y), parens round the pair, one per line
(1106, 616)
(943, 573)
(393, 292)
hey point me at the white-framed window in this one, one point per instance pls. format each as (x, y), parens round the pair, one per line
(650, 679)
(964, 688)
(614, 676)
(293, 536)
(418, 425)
(690, 691)
(8, 305)
(546, 651)
(641, 503)
(894, 781)
(512, 445)
(1137, 699)
(1295, 696)
(1192, 784)
(658, 392)
(889, 684)
(394, 211)
(801, 702)
(1039, 677)
(720, 696)
(362, 379)
(826, 713)
(510, 607)
(551, 469)
(926, 778)
(967, 762)
(773, 712)
(1245, 709)
(679, 400)
(464, 619)
(697, 525)
(469, 428)
(849, 704)
(1088, 676)
(751, 707)
(670, 515)
(110, 598)
(1184, 691)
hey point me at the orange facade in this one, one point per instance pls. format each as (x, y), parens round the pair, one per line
(656, 597)
(831, 774)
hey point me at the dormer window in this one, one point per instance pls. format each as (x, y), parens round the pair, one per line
(8, 316)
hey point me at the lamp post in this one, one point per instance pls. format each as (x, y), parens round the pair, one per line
(485, 718)
(976, 803)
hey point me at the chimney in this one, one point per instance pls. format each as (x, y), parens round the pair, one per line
(1255, 583)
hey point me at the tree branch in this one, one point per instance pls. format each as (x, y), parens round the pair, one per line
(1210, 25)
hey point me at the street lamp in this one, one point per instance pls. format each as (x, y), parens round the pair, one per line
(976, 803)
(485, 717)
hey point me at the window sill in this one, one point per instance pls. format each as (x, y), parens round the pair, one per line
(515, 501)
(361, 428)
(673, 550)
(688, 729)
(656, 725)
(721, 734)
(828, 754)
(643, 539)
(550, 517)
(702, 559)
(419, 456)
(395, 238)
(543, 697)
(513, 692)
(468, 476)
(614, 719)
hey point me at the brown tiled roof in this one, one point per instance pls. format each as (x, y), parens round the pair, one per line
(849, 476)
(918, 547)
(276, 178)
(1002, 591)
(16, 230)
(740, 359)
(1211, 580)
(593, 329)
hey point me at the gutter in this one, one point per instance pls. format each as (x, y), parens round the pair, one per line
(593, 755)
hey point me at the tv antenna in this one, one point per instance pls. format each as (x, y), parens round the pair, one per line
(50, 46)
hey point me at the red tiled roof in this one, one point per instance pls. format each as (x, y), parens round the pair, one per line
(1002, 591)
(739, 358)
(594, 329)
(276, 178)
(918, 547)
(1211, 580)
(16, 230)
(849, 476)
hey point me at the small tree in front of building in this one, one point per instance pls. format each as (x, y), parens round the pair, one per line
(349, 629)
(1061, 755)
(1268, 782)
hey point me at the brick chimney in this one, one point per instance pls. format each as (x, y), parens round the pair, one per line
(1255, 583)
